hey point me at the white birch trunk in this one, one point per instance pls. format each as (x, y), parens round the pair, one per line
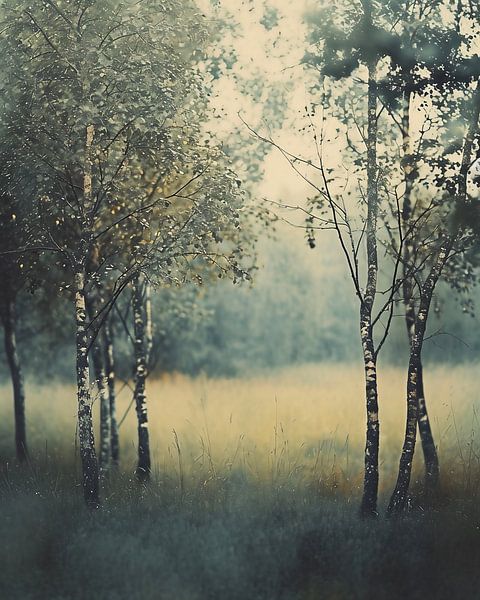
(85, 422)
(139, 321)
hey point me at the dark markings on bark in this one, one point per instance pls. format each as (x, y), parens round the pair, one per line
(148, 322)
(398, 500)
(102, 390)
(139, 321)
(400, 494)
(430, 454)
(370, 486)
(85, 422)
(432, 469)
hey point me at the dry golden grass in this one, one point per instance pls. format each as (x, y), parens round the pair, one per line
(302, 423)
(256, 505)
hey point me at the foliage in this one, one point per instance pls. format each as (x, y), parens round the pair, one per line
(163, 195)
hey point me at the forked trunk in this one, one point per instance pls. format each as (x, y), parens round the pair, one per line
(9, 326)
(400, 494)
(85, 422)
(430, 455)
(398, 500)
(110, 372)
(139, 321)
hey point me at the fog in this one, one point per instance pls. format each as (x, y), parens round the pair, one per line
(239, 247)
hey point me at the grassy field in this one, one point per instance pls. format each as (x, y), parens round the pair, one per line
(257, 500)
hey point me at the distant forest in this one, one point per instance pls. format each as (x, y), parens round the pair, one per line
(288, 315)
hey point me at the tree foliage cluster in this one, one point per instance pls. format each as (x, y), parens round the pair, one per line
(103, 115)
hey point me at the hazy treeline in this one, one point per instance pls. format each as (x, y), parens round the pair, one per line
(288, 316)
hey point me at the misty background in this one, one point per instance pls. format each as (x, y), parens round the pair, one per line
(300, 307)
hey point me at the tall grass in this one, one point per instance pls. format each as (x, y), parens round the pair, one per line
(254, 494)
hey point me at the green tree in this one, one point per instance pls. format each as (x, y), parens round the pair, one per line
(109, 119)
(400, 57)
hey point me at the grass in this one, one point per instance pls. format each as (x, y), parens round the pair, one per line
(254, 495)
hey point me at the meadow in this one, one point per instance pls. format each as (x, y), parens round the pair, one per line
(254, 494)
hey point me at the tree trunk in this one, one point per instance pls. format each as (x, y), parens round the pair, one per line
(148, 322)
(370, 486)
(85, 422)
(110, 372)
(432, 469)
(139, 320)
(9, 325)
(400, 493)
(399, 497)
(103, 393)
(430, 455)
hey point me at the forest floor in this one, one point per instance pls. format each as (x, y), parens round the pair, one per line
(259, 499)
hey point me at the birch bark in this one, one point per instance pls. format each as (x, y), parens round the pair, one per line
(103, 394)
(139, 320)
(432, 470)
(85, 422)
(110, 373)
(370, 486)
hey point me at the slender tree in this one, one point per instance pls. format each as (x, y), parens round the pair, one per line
(370, 491)
(409, 170)
(13, 275)
(344, 44)
(453, 241)
(97, 83)
(141, 362)
(203, 237)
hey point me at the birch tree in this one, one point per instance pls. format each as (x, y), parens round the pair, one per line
(342, 44)
(207, 234)
(452, 236)
(363, 128)
(141, 366)
(105, 93)
(109, 361)
(99, 361)
(427, 41)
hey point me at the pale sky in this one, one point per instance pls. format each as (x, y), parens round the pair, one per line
(273, 57)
